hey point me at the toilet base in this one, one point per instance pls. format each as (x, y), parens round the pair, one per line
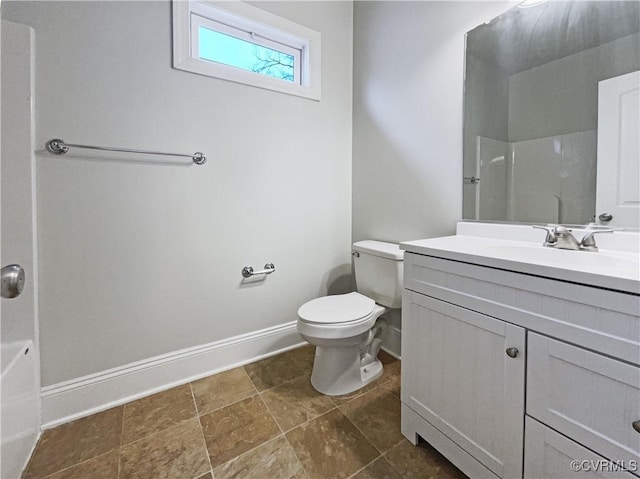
(338, 371)
(371, 372)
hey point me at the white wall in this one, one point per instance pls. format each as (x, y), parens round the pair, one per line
(143, 258)
(407, 116)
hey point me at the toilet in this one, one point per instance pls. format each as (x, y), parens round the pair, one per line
(347, 329)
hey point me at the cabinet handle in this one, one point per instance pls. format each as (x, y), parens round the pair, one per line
(636, 425)
(513, 353)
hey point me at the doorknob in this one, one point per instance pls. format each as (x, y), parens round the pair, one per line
(605, 217)
(12, 280)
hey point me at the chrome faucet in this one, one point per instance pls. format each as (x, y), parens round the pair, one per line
(562, 238)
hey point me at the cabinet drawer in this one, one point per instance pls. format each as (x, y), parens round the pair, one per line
(549, 455)
(589, 397)
(597, 319)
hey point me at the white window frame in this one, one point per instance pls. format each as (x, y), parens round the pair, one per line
(252, 24)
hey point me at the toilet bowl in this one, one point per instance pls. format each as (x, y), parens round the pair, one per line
(348, 329)
(342, 329)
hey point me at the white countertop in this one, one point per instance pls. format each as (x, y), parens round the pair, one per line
(611, 269)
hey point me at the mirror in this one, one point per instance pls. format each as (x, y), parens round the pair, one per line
(531, 136)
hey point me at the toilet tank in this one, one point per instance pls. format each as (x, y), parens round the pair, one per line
(378, 270)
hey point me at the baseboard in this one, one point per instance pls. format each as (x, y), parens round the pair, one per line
(90, 394)
(393, 341)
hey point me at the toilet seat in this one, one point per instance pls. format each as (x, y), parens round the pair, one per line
(338, 317)
(337, 310)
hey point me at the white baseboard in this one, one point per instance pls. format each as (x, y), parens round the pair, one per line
(87, 395)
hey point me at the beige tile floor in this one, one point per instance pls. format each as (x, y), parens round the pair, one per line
(260, 421)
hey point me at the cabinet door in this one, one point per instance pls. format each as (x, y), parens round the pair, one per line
(456, 375)
(550, 455)
(591, 398)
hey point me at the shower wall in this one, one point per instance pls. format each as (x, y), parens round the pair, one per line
(491, 202)
(553, 179)
(546, 180)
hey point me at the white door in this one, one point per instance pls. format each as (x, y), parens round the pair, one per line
(618, 175)
(460, 373)
(20, 381)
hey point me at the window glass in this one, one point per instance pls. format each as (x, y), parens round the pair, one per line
(229, 50)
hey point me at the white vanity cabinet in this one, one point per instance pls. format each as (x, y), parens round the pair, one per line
(513, 375)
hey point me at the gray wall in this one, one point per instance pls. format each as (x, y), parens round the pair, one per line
(143, 258)
(561, 97)
(407, 116)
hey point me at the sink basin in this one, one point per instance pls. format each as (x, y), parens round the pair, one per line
(596, 261)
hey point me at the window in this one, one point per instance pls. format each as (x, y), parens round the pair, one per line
(237, 42)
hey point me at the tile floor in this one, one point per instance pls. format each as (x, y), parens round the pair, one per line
(261, 421)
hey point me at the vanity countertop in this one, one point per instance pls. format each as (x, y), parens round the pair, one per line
(611, 269)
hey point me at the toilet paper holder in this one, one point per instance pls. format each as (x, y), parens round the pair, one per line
(248, 271)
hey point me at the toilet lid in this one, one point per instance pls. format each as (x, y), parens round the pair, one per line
(341, 308)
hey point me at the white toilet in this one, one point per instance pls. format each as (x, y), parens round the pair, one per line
(347, 329)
